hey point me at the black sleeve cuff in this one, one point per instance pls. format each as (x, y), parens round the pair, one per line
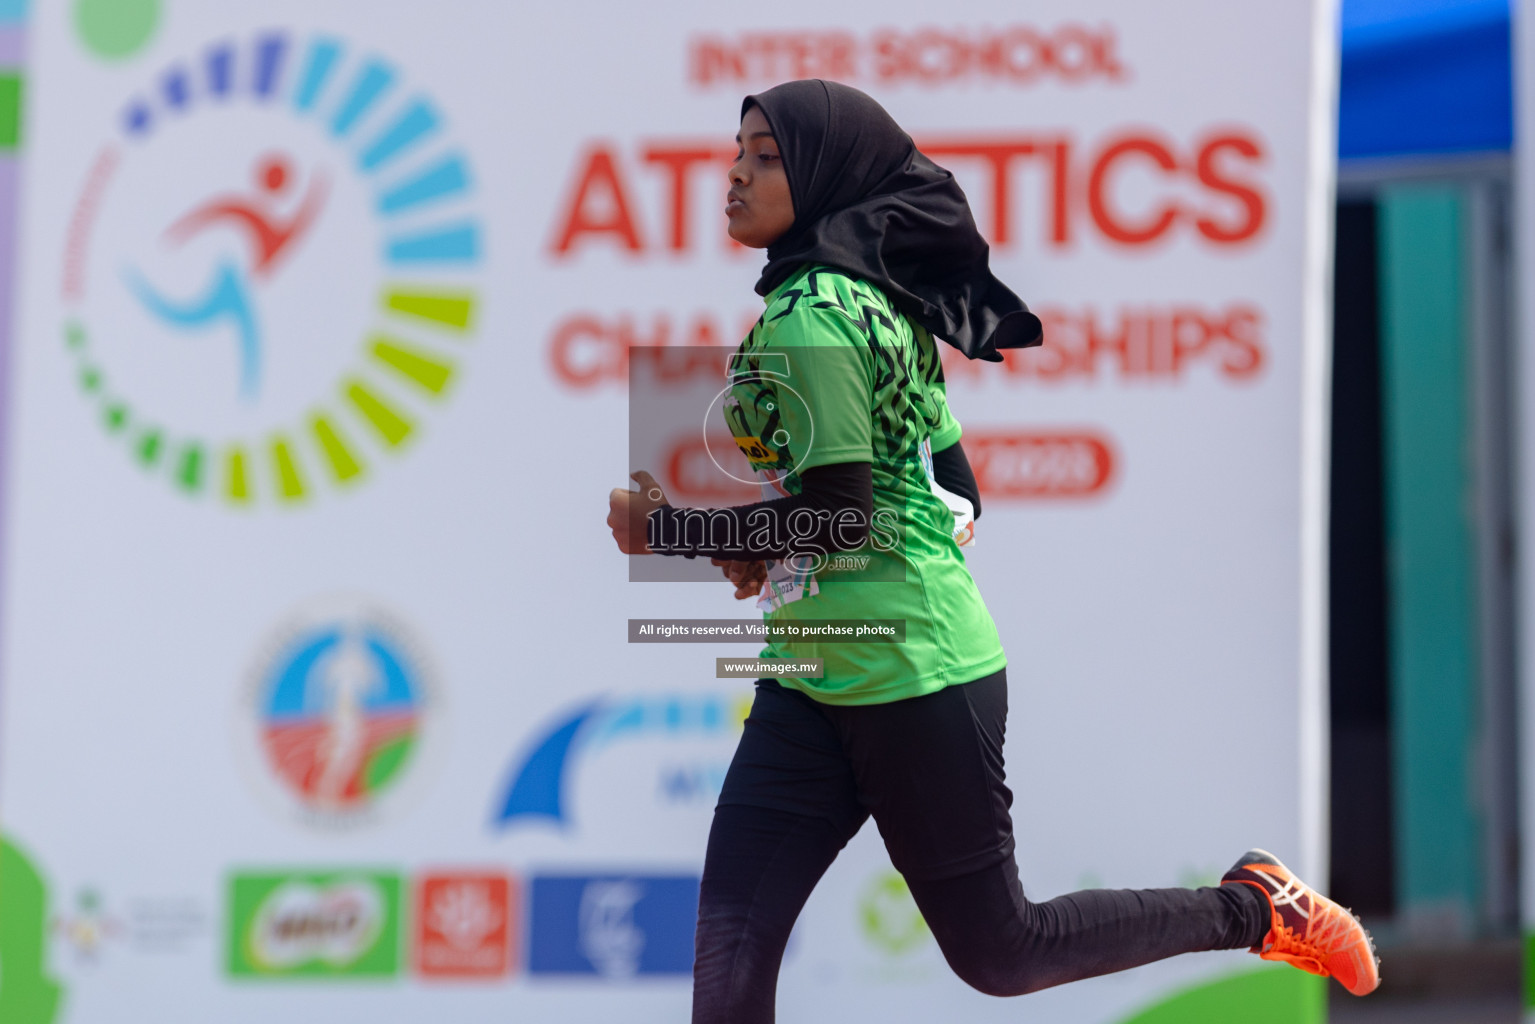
(952, 471)
(832, 512)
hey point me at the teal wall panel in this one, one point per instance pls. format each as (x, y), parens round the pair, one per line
(1431, 549)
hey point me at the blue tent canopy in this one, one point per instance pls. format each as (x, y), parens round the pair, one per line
(1425, 77)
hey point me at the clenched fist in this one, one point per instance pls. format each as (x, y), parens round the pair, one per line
(747, 576)
(627, 512)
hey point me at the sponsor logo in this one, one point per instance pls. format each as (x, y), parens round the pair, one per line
(29, 994)
(211, 335)
(755, 451)
(888, 917)
(613, 926)
(539, 785)
(463, 925)
(88, 926)
(144, 924)
(314, 925)
(339, 706)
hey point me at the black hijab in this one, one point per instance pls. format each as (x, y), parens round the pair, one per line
(867, 202)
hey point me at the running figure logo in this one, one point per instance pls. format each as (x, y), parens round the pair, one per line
(271, 269)
(227, 299)
(340, 707)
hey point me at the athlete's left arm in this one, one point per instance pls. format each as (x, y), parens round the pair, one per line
(952, 471)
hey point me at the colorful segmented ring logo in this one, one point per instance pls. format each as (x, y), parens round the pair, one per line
(270, 268)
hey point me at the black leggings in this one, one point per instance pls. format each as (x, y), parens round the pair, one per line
(807, 775)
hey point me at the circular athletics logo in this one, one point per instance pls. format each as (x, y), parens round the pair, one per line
(269, 272)
(338, 711)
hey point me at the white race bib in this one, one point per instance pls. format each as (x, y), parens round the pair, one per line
(964, 512)
(787, 580)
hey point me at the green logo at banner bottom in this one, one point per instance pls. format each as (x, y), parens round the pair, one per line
(27, 994)
(890, 918)
(338, 924)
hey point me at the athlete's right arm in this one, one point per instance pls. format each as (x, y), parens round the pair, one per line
(746, 576)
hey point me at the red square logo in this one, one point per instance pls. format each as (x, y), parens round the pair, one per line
(464, 925)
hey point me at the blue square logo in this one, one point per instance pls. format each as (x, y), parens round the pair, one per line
(612, 926)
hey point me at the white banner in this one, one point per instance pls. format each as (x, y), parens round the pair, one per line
(317, 695)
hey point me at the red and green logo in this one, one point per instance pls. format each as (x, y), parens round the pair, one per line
(341, 713)
(463, 925)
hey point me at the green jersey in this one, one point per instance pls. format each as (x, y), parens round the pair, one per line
(833, 372)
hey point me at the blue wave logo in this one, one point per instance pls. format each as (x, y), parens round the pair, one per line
(538, 788)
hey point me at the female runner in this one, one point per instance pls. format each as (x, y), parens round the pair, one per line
(838, 401)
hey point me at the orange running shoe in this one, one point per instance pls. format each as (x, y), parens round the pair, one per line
(1309, 930)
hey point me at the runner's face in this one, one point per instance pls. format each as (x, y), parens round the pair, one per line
(758, 204)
